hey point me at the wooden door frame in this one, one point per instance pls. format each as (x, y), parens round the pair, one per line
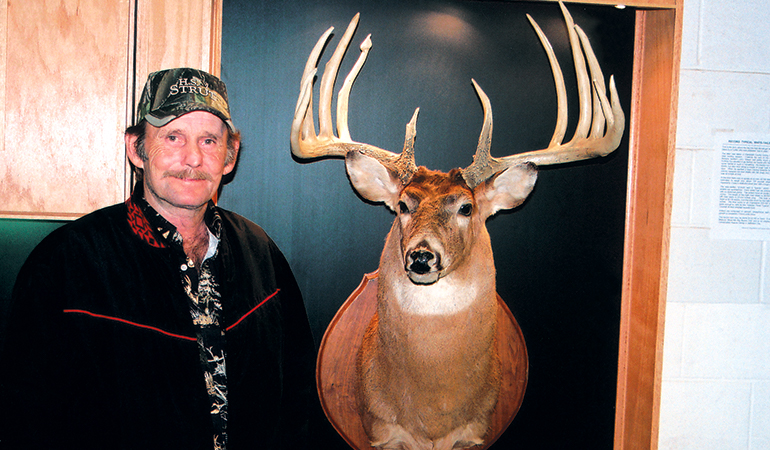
(652, 139)
(657, 53)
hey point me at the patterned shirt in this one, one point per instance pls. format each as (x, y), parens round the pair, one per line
(202, 289)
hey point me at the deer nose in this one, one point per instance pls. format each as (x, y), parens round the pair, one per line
(420, 261)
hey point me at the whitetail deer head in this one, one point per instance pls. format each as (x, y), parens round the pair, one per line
(598, 132)
(436, 271)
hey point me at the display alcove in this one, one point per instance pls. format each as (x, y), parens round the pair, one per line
(332, 238)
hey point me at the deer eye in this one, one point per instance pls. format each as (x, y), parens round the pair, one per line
(403, 208)
(466, 210)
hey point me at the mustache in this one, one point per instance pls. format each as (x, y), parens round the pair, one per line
(188, 174)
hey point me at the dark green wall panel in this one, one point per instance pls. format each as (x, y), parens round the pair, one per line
(559, 256)
(17, 239)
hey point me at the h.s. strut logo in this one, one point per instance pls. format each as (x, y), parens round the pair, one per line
(190, 86)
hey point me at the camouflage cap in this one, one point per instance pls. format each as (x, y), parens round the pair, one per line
(171, 93)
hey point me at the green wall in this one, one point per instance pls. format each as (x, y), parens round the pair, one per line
(17, 239)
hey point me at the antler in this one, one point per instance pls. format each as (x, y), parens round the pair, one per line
(603, 118)
(600, 142)
(304, 141)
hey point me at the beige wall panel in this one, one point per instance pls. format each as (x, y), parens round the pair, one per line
(68, 71)
(3, 30)
(65, 90)
(177, 33)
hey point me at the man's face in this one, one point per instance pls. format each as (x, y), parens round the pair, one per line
(185, 162)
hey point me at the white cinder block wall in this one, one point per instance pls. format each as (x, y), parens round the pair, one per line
(716, 369)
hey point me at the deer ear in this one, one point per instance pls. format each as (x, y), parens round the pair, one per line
(372, 180)
(505, 190)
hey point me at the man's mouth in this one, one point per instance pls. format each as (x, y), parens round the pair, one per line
(188, 175)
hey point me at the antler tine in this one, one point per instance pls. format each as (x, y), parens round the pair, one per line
(583, 83)
(306, 144)
(303, 124)
(330, 77)
(602, 117)
(344, 95)
(599, 93)
(561, 90)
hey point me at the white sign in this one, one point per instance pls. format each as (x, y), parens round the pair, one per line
(741, 188)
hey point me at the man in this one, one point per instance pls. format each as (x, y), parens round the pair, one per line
(164, 322)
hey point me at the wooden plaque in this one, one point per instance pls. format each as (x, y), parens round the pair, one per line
(336, 366)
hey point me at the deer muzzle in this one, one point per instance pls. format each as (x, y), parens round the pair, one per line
(423, 265)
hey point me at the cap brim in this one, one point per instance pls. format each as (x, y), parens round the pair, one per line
(157, 120)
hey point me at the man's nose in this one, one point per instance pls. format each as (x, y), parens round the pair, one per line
(193, 155)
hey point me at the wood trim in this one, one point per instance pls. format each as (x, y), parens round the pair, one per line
(177, 33)
(664, 4)
(3, 68)
(131, 82)
(215, 53)
(651, 154)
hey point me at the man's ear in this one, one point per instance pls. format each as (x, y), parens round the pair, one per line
(231, 165)
(133, 156)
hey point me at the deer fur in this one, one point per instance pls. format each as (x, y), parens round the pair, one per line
(428, 369)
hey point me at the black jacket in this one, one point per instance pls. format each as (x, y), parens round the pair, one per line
(101, 350)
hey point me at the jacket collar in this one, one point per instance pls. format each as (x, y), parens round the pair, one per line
(152, 228)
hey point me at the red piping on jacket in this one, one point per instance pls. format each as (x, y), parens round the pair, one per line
(252, 310)
(167, 333)
(117, 319)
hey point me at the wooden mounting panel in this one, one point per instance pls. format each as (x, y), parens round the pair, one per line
(336, 366)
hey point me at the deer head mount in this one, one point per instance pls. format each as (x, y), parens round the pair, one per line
(426, 378)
